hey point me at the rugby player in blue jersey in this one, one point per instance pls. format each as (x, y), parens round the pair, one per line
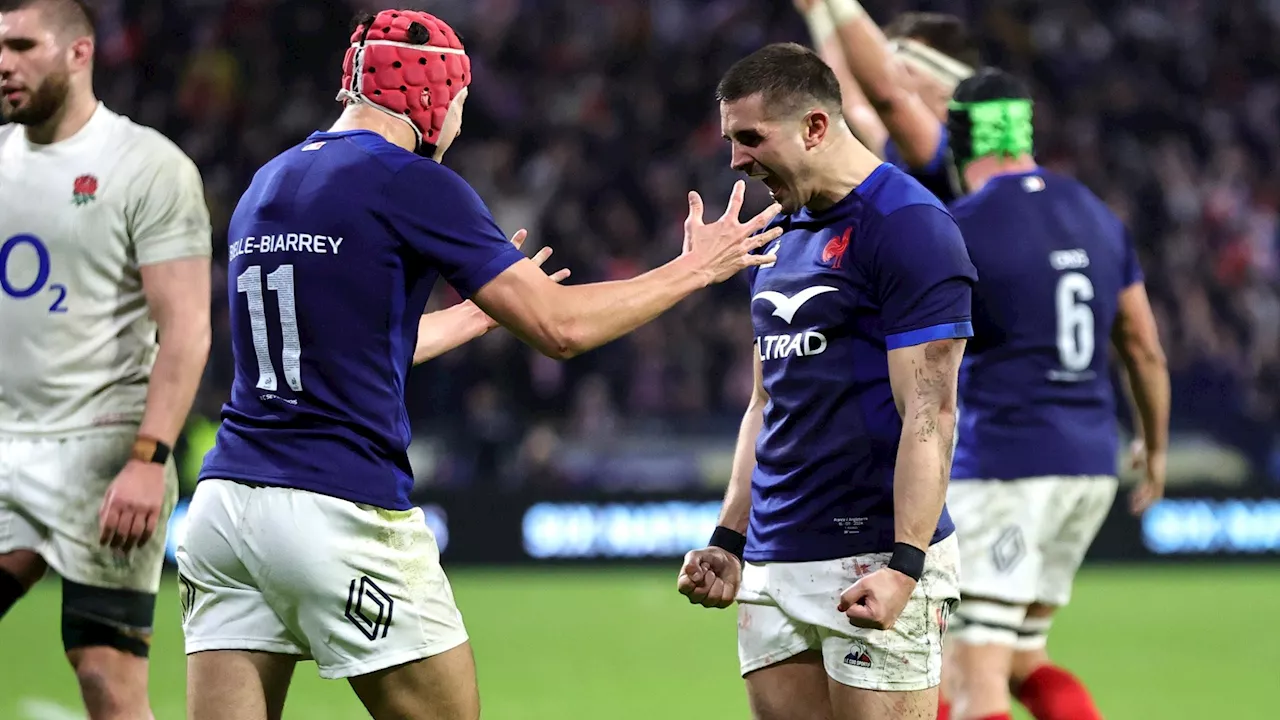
(834, 538)
(1035, 468)
(901, 83)
(301, 540)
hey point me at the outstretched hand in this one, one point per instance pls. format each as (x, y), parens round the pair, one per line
(726, 246)
(539, 257)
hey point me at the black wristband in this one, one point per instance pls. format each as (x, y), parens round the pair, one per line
(150, 450)
(908, 560)
(727, 539)
(162, 454)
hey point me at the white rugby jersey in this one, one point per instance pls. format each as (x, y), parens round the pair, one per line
(77, 220)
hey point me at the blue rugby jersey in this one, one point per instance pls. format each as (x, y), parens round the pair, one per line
(334, 250)
(1036, 396)
(935, 177)
(884, 268)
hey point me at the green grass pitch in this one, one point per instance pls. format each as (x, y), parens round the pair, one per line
(619, 643)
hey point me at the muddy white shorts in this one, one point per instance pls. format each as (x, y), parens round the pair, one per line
(786, 608)
(51, 489)
(1022, 541)
(356, 587)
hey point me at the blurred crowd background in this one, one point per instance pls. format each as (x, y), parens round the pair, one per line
(588, 121)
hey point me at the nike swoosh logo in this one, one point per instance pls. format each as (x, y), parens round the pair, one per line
(786, 307)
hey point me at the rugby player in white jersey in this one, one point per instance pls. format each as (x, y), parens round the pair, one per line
(104, 305)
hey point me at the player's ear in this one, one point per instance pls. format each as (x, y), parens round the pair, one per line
(816, 125)
(80, 53)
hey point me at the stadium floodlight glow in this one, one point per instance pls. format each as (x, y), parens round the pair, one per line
(438, 522)
(617, 530)
(175, 531)
(1208, 527)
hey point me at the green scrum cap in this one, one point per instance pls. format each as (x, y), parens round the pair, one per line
(989, 114)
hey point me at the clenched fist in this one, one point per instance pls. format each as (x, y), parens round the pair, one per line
(877, 599)
(710, 577)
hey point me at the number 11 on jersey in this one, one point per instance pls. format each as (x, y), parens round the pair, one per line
(279, 281)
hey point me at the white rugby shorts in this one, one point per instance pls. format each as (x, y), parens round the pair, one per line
(51, 489)
(357, 588)
(1022, 541)
(786, 608)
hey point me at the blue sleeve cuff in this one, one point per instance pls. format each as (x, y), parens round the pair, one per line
(938, 163)
(946, 331)
(470, 285)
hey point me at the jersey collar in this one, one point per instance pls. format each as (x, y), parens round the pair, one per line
(87, 131)
(846, 204)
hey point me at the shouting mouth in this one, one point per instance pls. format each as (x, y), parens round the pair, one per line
(772, 183)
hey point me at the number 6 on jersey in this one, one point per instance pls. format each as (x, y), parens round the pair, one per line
(279, 281)
(1075, 322)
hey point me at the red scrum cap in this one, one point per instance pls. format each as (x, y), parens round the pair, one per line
(395, 57)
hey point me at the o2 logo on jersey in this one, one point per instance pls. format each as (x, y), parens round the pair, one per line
(26, 287)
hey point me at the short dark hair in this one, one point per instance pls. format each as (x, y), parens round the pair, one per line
(991, 83)
(362, 19)
(945, 33)
(73, 15)
(789, 76)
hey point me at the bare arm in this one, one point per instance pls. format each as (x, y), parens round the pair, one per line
(443, 330)
(1126, 389)
(1137, 339)
(924, 379)
(737, 498)
(177, 294)
(915, 129)
(564, 321)
(858, 113)
(710, 576)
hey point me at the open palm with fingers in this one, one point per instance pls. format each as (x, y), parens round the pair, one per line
(728, 245)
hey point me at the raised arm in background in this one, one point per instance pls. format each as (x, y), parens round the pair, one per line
(858, 113)
(915, 128)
